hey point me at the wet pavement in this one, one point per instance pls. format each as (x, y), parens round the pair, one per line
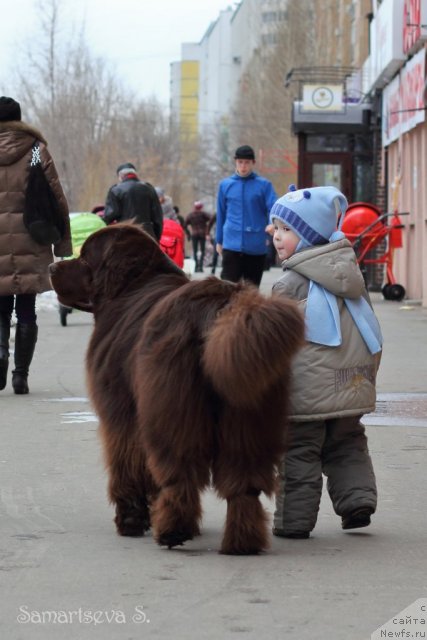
(399, 410)
(59, 551)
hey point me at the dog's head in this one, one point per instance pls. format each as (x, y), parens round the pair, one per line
(111, 260)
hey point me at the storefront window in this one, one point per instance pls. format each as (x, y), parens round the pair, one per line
(363, 144)
(327, 143)
(363, 181)
(327, 174)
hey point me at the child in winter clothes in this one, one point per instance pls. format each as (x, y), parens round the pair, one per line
(334, 374)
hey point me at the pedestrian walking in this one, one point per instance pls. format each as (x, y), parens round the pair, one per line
(197, 228)
(244, 203)
(172, 241)
(133, 200)
(166, 203)
(23, 262)
(179, 217)
(212, 234)
(334, 374)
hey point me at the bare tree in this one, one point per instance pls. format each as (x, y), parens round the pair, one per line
(90, 120)
(263, 111)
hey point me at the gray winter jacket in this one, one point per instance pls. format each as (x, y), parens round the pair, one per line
(339, 381)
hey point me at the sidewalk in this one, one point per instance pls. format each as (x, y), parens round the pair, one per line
(59, 551)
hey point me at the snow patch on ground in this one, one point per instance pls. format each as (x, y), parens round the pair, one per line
(46, 301)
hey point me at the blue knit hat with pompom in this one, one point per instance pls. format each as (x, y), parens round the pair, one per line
(312, 213)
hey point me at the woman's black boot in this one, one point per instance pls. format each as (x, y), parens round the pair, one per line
(4, 347)
(25, 342)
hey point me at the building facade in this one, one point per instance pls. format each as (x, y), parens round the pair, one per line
(371, 141)
(396, 68)
(218, 62)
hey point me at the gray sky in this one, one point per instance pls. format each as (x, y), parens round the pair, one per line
(139, 37)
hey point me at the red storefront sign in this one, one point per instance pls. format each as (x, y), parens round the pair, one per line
(414, 16)
(403, 100)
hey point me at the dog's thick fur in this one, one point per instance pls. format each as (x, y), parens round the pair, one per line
(190, 380)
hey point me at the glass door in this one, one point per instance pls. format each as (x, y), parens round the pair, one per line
(328, 169)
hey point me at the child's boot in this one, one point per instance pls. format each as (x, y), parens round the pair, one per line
(358, 518)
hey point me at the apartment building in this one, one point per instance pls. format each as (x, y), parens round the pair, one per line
(205, 82)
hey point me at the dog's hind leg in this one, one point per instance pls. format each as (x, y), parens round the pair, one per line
(246, 526)
(176, 515)
(177, 426)
(250, 443)
(132, 507)
(177, 512)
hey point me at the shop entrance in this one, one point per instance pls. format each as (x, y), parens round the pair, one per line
(344, 161)
(324, 169)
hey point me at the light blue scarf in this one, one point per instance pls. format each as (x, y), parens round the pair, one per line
(322, 318)
(313, 214)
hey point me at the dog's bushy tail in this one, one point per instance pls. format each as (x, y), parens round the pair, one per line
(251, 345)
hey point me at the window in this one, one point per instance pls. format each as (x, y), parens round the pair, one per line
(327, 143)
(274, 16)
(269, 16)
(269, 38)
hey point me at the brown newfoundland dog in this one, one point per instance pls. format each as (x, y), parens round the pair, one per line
(190, 381)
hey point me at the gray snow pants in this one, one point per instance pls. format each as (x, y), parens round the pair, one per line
(337, 448)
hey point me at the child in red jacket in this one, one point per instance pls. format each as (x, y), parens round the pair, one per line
(172, 241)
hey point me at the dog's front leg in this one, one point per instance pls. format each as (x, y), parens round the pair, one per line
(176, 514)
(130, 484)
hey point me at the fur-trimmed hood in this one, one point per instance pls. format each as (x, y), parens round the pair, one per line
(16, 139)
(24, 263)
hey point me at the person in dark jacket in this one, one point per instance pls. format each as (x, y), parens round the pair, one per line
(23, 262)
(198, 221)
(134, 200)
(212, 233)
(244, 203)
(166, 203)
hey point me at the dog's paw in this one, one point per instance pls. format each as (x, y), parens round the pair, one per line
(174, 538)
(131, 526)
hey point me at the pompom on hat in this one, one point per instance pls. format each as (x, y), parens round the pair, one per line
(9, 109)
(311, 213)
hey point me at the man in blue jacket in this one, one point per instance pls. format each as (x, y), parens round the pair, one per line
(243, 207)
